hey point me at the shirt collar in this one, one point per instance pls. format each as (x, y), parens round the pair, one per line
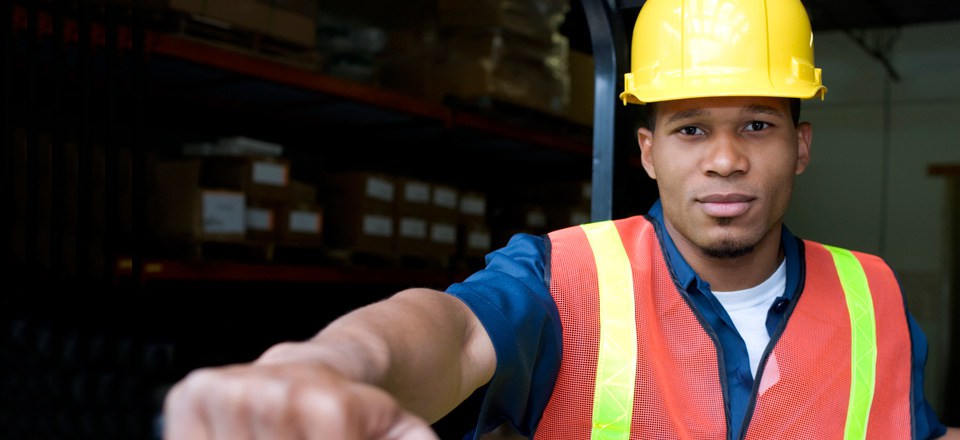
(689, 280)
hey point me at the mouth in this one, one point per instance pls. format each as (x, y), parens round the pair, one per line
(725, 205)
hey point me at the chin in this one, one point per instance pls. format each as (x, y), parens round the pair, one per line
(728, 251)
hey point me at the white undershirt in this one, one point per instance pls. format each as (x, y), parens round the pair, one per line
(748, 309)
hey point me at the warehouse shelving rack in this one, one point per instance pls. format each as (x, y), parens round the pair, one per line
(88, 77)
(87, 88)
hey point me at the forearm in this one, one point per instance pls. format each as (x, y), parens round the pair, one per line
(951, 434)
(424, 347)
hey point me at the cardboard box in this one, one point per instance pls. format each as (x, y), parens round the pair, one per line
(359, 210)
(281, 23)
(181, 209)
(293, 27)
(475, 240)
(413, 235)
(414, 197)
(538, 19)
(245, 14)
(301, 193)
(445, 201)
(302, 225)
(429, 238)
(526, 83)
(472, 208)
(443, 238)
(258, 178)
(262, 220)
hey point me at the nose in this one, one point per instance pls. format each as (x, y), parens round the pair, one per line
(725, 157)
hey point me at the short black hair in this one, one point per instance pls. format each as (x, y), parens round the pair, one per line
(648, 113)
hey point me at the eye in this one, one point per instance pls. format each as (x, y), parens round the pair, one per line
(690, 130)
(757, 126)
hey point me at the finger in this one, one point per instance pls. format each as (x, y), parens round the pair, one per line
(181, 418)
(358, 412)
(228, 413)
(270, 416)
(410, 427)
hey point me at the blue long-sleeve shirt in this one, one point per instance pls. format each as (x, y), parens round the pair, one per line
(511, 298)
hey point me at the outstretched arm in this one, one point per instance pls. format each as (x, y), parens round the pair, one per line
(385, 370)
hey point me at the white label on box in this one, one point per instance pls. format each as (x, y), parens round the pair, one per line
(473, 205)
(224, 212)
(417, 192)
(445, 197)
(269, 173)
(378, 225)
(536, 219)
(378, 188)
(306, 222)
(478, 240)
(259, 219)
(444, 233)
(412, 227)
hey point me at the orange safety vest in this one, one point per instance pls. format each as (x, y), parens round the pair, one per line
(638, 363)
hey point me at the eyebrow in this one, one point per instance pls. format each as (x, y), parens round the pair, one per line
(696, 112)
(686, 114)
(765, 109)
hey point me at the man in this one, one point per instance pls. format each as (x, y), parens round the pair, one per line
(706, 318)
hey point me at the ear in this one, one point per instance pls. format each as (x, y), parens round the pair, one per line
(645, 139)
(804, 136)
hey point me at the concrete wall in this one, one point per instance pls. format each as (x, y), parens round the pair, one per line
(868, 187)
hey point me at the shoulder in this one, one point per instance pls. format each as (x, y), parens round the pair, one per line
(839, 254)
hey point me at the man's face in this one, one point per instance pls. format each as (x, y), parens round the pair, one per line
(725, 169)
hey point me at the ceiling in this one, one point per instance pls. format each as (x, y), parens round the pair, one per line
(825, 15)
(859, 14)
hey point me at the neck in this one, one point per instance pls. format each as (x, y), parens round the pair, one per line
(737, 273)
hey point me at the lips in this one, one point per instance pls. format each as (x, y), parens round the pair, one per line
(725, 205)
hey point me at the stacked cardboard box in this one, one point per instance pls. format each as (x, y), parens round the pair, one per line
(234, 198)
(374, 211)
(541, 208)
(488, 50)
(181, 209)
(360, 210)
(474, 232)
(427, 218)
(301, 217)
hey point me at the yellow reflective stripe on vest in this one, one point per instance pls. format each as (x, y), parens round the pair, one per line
(863, 341)
(617, 355)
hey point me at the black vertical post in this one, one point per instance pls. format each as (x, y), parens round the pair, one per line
(85, 155)
(57, 157)
(138, 154)
(31, 125)
(608, 39)
(7, 197)
(112, 129)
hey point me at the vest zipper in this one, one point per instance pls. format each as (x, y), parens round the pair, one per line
(774, 339)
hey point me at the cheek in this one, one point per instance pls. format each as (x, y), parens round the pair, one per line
(672, 173)
(780, 187)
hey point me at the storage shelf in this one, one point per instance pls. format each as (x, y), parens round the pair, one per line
(205, 54)
(118, 91)
(178, 270)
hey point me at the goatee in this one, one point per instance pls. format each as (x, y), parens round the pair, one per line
(727, 250)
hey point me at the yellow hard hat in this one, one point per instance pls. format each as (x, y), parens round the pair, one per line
(702, 48)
